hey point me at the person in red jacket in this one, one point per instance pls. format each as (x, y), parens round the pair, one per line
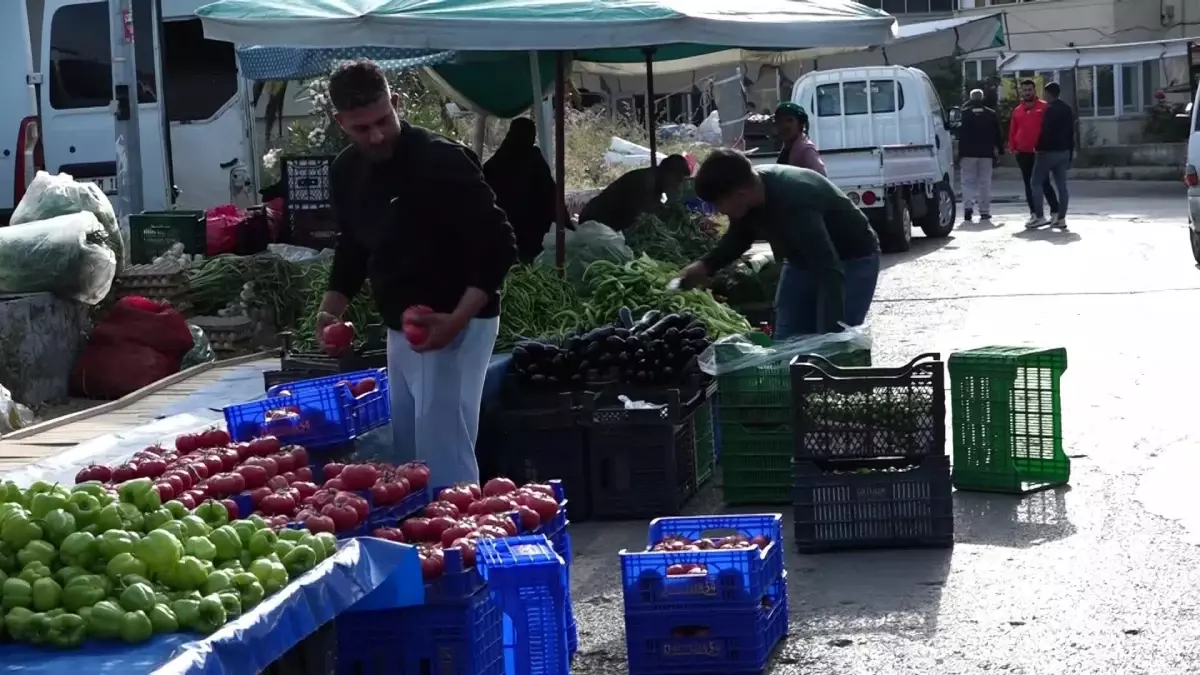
(1024, 130)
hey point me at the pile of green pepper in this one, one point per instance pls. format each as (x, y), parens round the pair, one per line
(94, 563)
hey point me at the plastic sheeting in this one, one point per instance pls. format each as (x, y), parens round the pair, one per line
(251, 642)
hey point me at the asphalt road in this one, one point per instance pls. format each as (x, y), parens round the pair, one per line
(1097, 578)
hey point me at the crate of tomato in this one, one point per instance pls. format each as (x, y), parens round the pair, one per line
(317, 413)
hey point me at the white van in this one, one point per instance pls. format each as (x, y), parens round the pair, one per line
(1192, 179)
(187, 84)
(885, 140)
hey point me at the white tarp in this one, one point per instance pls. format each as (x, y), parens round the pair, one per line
(1097, 55)
(914, 43)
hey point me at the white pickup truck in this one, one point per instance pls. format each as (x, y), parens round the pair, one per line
(885, 140)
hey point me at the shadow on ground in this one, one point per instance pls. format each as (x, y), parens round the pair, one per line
(1010, 520)
(921, 247)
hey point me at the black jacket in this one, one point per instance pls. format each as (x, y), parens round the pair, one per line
(979, 133)
(423, 226)
(1058, 129)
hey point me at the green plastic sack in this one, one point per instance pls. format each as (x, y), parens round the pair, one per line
(201, 349)
(53, 195)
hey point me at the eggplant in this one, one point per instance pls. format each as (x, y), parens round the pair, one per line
(648, 319)
(599, 334)
(606, 359)
(700, 345)
(623, 333)
(626, 317)
(593, 349)
(671, 335)
(571, 343)
(558, 361)
(538, 378)
(614, 343)
(661, 326)
(697, 333)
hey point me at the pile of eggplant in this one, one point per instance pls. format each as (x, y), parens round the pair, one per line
(658, 349)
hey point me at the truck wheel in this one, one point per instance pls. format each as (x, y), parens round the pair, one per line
(940, 212)
(895, 230)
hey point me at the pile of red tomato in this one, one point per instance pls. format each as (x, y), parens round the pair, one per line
(679, 544)
(464, 514)
(338, 505)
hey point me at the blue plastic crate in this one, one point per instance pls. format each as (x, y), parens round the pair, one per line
(326, 413)
(528, 579)
(735, 579)
(708, 642)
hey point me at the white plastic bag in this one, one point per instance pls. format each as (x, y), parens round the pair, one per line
(588, 242)
(68, 256)
(53, 195)
(735, 352)
(13, 415)
(710, 129)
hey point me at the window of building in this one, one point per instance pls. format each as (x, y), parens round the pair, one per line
(912, 6)
(80, 56)
(200, 76)
(881, 96)
(977, 70)
(1085, 86)
(1131, 90)
(1106, 88)
(1151, 81)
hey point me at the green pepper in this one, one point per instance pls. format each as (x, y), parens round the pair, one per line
(16, 593)
(93, 488)
(232, 566)
(196, 527)
(83, 591)
(299, 560)
(277, 579)
(201, 547)
(232, 602)
(105, 620)
(57, 524)
(11, 508)
(79, 549)
(84, 507)
(257, 520)
(292, 535)
(163, 619)
(187, 575)
(214, 513)
(124, 564)
(114, 542)
(19, 530)
(176, 528)
(159, 549)
(187, 612)
(34, 571)
(8, 559)
(263, 542)
(177, 509)
(245, 530)
(217, 582)
(10, 492)
(283, 547)
(136, 627)
(47, 594)
(44, 503)
(132, 518)
(249, 588)
(210, 614)
(51, 613)
(17, 620)
(229, 545)
(67, 631)
(37, 551)
(131, 491)
(156, 519)
(64, 575)
(316, 545)
(131, 579)
(137, 597)
(109, 519)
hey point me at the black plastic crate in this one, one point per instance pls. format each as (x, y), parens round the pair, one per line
(641, 462)
(306, 181)
(316, 654)
(875, 503)
(538, 444)
(864, 413)
(151, 233)
(276, 377)
(372, 354)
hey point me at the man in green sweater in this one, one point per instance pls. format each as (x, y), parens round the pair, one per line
(829, 253)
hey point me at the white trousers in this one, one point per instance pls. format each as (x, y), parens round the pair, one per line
(977, 184)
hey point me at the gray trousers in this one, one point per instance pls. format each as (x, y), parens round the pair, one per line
(977, 184)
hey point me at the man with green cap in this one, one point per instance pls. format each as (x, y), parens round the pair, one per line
(791, 124)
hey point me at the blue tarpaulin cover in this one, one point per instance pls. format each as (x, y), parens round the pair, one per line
(250, 643)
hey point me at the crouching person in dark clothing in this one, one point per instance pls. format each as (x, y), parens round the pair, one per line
(1055, 149)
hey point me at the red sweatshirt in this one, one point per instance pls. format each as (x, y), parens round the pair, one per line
(1025, 126)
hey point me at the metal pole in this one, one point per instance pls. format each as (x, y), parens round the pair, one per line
(124, 107)
(650, 108)
(560, 157)
(545, 136)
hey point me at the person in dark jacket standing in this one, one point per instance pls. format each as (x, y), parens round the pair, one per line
(979, 147)
(1023, 131)
(1055, 149)
(524, 186)
(418, 220)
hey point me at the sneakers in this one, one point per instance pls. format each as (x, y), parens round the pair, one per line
(1035, 222)
(968, 215)
(1059, 223)
(985, 219)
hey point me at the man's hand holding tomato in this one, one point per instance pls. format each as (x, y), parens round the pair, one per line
(429, 330)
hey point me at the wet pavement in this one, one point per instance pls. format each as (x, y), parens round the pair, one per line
(1100, 577)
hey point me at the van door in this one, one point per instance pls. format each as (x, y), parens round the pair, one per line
(18, 111)
(78, 127)
(938, 129)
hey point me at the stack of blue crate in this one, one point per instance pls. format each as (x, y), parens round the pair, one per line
(707, 596)
(528, 580)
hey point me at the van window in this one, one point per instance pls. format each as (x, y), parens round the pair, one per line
(80, 56)
(861, 97)
(199, 75)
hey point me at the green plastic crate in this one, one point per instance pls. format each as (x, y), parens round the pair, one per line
(1007, 419)
(151, 233)
(703, 442)
(756, 464)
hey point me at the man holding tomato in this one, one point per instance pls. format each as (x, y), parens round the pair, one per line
(418, 220)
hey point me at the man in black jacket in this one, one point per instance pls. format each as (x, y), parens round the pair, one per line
(418, 220)
(1055, 149)
(979, 147)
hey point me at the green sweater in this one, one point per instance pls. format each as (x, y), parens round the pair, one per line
(809, 223)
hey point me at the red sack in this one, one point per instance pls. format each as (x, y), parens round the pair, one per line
(136, 320)
(111, 371)
(221, 226)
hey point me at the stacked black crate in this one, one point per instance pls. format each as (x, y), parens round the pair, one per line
(870, 466)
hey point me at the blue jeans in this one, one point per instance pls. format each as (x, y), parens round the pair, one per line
(796, 299)
(1053, 165)
(435, 399)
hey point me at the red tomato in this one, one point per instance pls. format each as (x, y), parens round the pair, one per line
(363, 386)
(467, 547)
(151, 468)
(436, 526)
(433, 563)
(186, 443)
(359, 504)
(332, 470)
(545, 507)
(200, 470)
(257, 494)
(213, 463)
(304, 474)
(305, 488)
(317, 523)
(337, 338)
(165, 491)
(187, 500)
(453, 533)
(278, 482)
(255, 476)
(278, 504)
(359, 476)
(225, 484)
(284, 461)
(123, 473)
(97, 472)
(530, 520)
(266, 463)
(502, 521)
(344, 516)
(539, 487)
(416, 333)
(499, 486)
(460, 496)
(261, 447)
(389, 533)
(440, 508)
(232, 507)
(229, 458)
(415, 529)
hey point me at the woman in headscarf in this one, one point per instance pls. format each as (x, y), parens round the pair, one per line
(524, 186)
(791, 123)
